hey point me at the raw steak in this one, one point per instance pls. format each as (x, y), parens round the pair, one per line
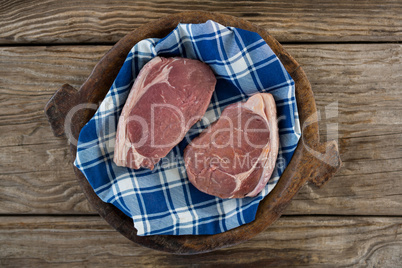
(236, 155)
(168, 97)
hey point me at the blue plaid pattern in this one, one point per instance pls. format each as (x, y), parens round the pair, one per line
(163, 201)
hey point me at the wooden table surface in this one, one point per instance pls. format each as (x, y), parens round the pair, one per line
(351, 53)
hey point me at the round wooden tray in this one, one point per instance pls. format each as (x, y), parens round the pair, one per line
(312, 161)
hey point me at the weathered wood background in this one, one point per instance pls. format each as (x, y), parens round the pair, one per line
(351, 53)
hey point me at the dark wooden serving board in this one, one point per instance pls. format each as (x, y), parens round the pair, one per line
(304, 166)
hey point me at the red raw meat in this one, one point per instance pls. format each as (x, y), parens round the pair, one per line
(168, 97)
(236, 155)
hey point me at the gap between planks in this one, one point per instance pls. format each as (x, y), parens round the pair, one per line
(302, 43)
(10, 215)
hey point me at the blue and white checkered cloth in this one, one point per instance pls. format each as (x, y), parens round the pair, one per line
(163, 201)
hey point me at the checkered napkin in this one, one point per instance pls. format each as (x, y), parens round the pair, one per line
(163, 201)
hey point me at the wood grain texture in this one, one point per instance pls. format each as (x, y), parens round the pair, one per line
(34, 164)
(304, 166)
(363, 82)
(292, 241)
(51, 21)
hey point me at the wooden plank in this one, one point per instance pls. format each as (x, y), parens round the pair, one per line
(292, 241)
(36, 176)
(51, 21)
(34, 163)
(363, 82)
